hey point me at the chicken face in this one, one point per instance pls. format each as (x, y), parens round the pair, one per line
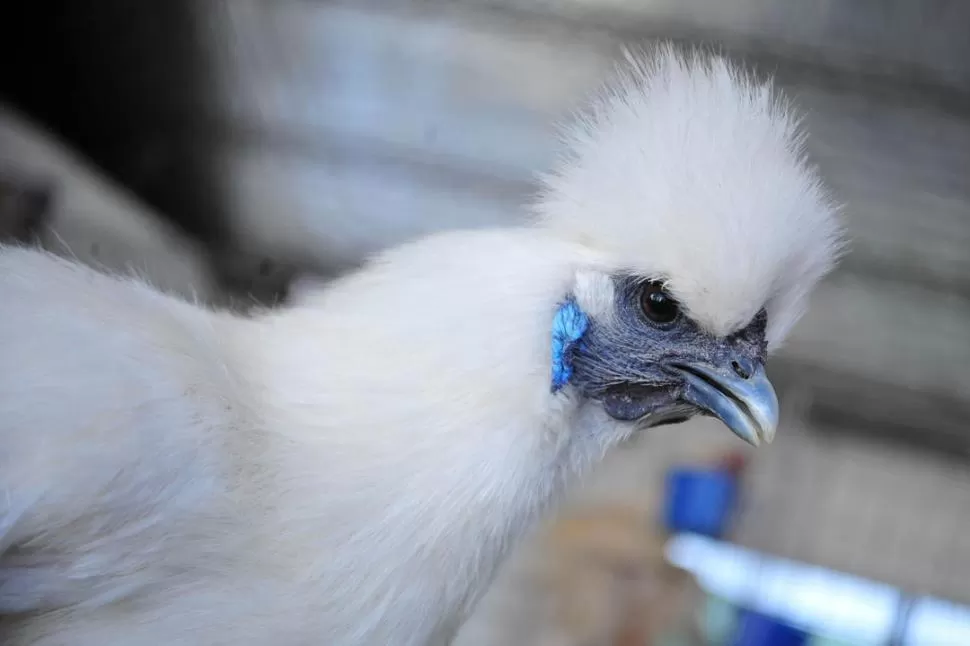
(646, 361)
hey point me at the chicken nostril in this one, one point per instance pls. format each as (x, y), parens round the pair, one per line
(740, 370)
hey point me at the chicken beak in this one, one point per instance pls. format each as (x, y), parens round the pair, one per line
(744, 401)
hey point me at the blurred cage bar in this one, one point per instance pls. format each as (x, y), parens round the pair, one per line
(316, 132)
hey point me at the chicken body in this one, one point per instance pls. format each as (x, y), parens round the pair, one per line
(180, 476)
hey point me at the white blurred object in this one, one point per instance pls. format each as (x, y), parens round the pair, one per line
(96, 221)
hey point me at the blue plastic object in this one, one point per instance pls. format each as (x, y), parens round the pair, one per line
(699, 501)
(757, 629)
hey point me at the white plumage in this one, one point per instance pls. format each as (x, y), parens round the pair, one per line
(351, 470)
(693, 159)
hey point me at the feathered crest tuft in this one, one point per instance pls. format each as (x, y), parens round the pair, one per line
(688, 169)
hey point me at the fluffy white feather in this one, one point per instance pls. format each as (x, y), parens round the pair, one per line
(351, 471)
(689, 169)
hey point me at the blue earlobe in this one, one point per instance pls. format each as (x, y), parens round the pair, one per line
(568, 327)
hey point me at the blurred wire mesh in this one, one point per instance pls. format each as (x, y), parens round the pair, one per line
(308, 134)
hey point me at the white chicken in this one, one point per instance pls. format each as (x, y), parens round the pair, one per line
(351, 470)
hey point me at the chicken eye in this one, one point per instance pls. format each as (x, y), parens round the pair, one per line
(657, 305)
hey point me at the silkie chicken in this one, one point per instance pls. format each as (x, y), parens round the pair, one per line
(351, 470)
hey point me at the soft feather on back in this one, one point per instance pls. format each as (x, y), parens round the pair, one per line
(112, 396)
(688, 169)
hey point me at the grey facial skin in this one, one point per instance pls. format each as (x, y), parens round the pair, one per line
(661, 373)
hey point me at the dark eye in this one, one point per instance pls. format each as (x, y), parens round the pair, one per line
(657, 305)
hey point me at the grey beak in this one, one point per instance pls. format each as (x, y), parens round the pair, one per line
(747, 404)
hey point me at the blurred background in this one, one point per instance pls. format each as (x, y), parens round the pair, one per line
(229, 149)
